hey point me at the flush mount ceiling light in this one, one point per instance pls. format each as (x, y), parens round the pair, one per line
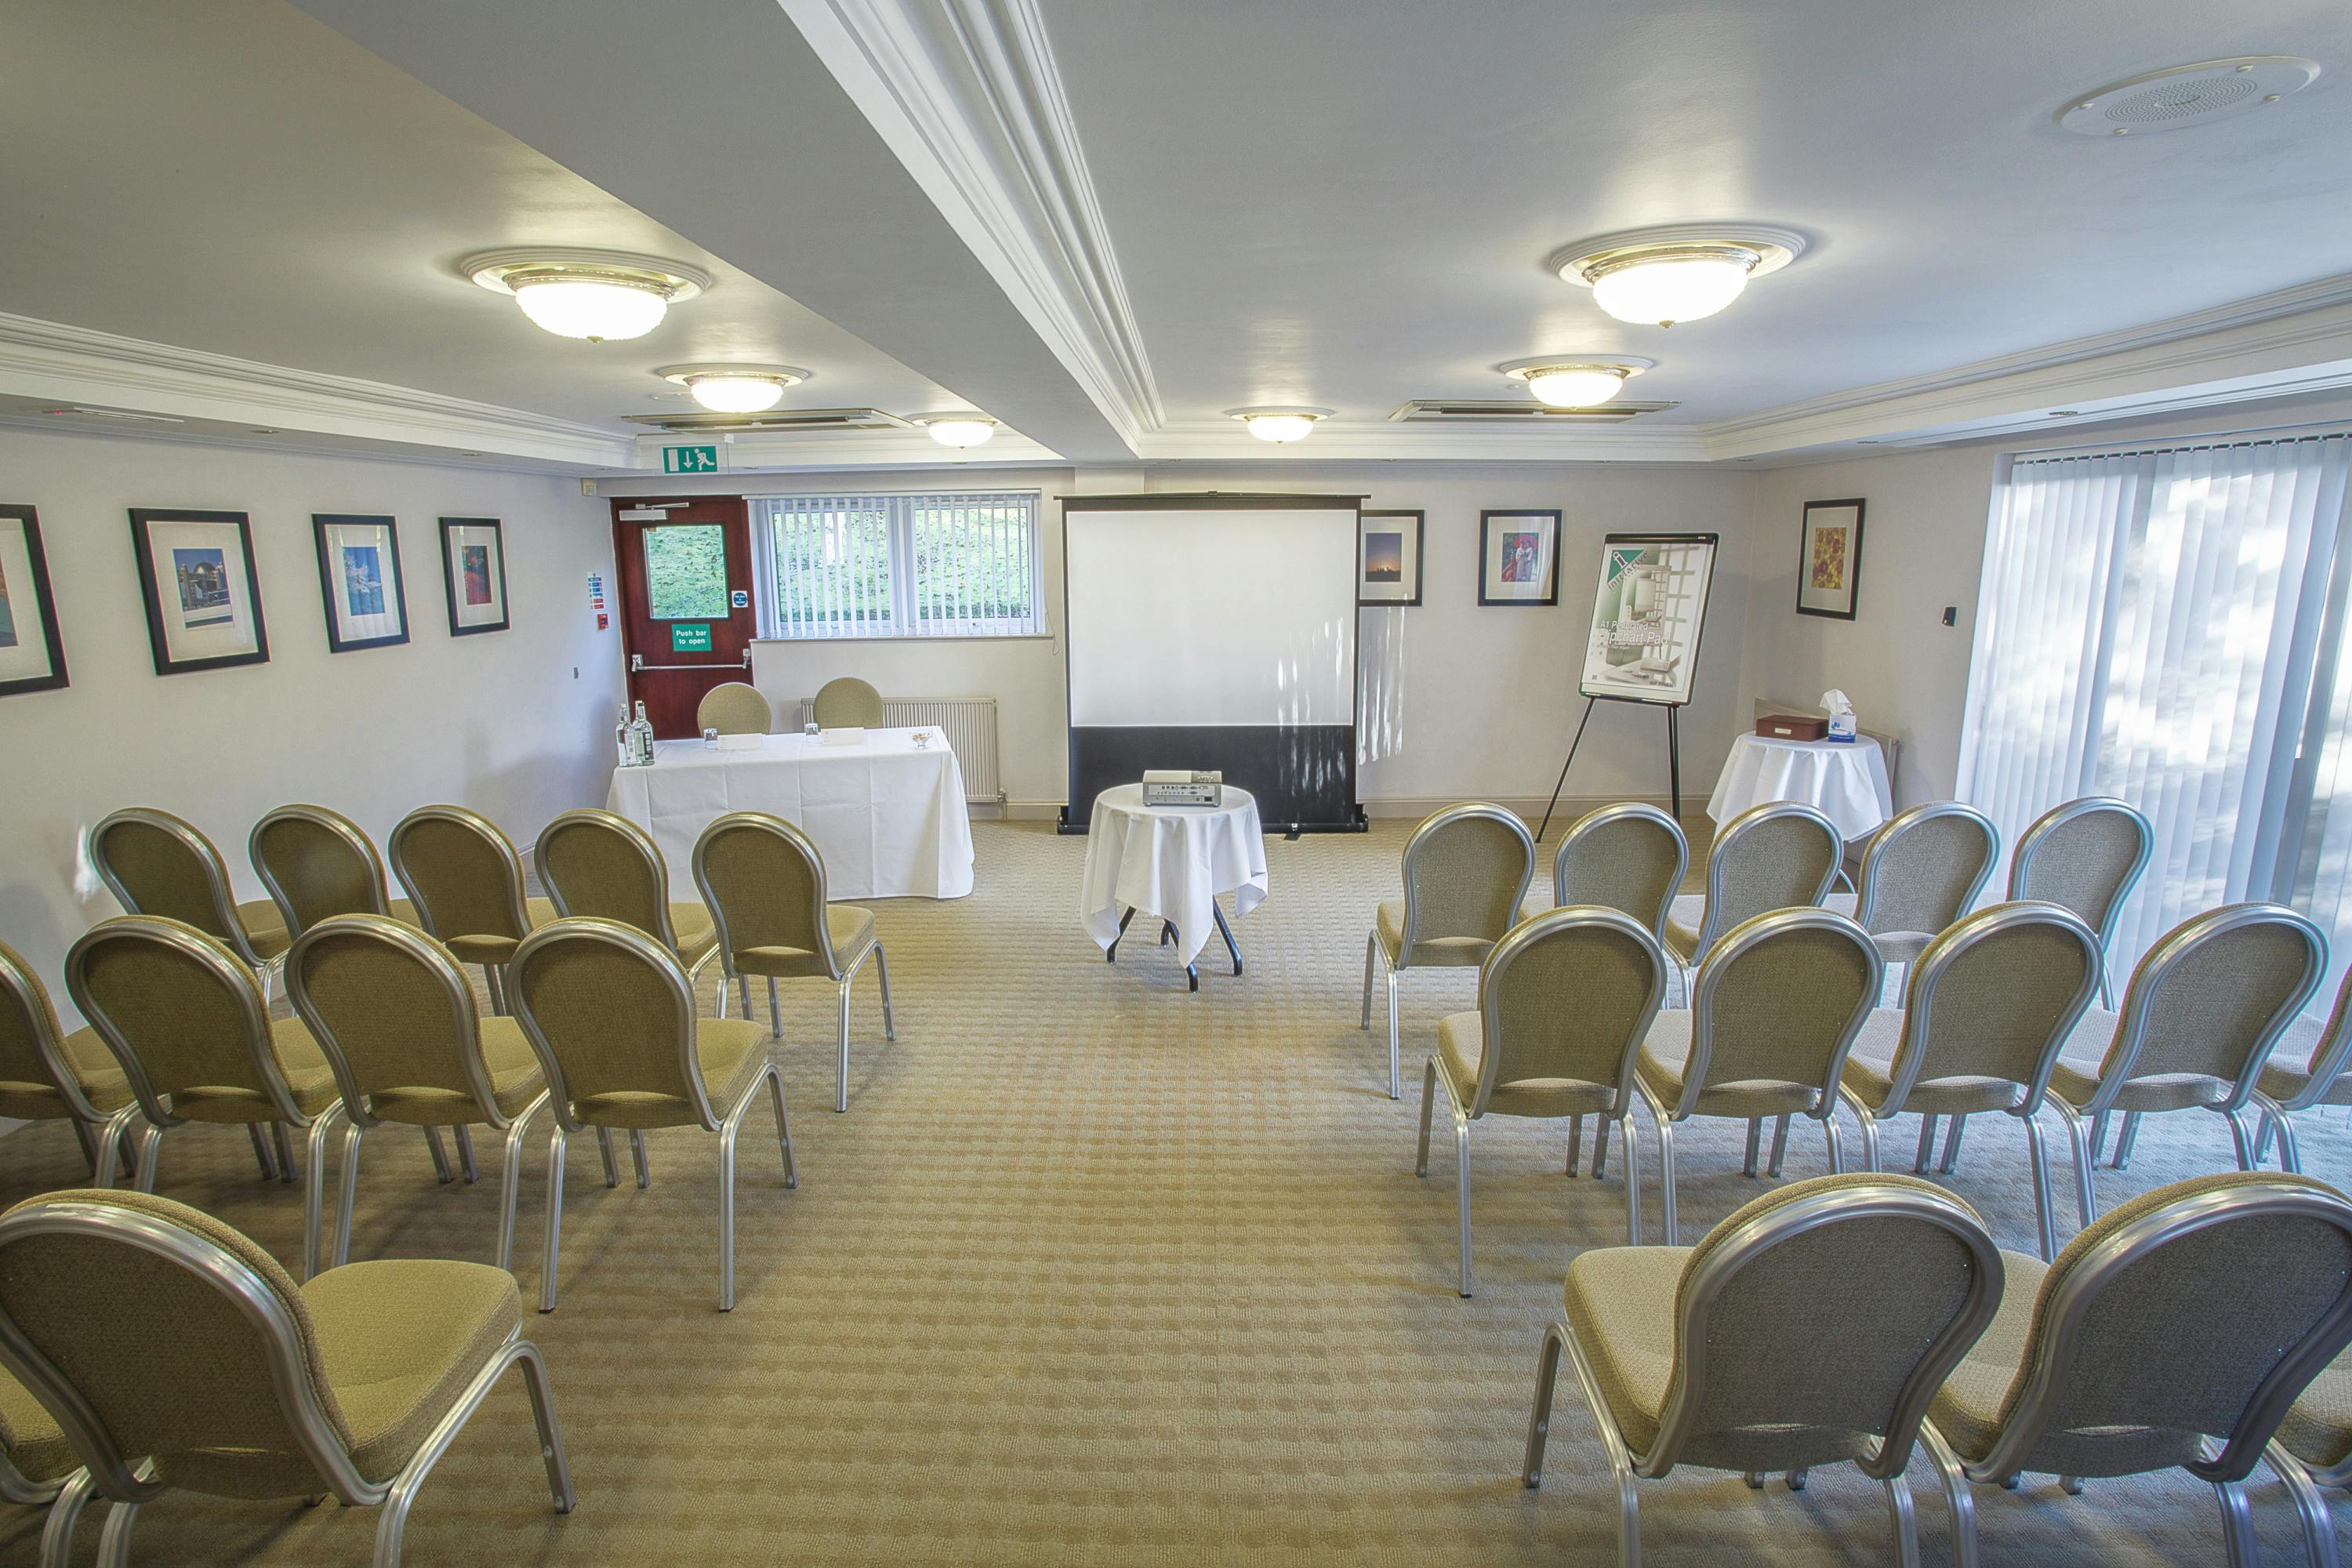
(1279, 425)
(735, 388)
(600, 295)
(1660, 276)
(1564, 381)
(2181, 96)
(959, 429)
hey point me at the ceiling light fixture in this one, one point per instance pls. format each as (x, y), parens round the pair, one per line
(1279, 425)
(726, 388)
(1661, 275)
(604, 296)
(1563, 382)
(959, 429)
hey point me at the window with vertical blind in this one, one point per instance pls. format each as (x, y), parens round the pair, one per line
(963, 565)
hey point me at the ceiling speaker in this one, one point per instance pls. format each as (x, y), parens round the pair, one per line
(2183, 96)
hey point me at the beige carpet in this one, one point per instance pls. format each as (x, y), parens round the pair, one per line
(1095, 1272)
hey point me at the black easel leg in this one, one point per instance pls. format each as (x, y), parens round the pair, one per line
(1556, 788)
(1110, 954)
(1227, 932)
(1674, 761)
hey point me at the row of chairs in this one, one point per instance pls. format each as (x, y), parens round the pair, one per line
(737, 707)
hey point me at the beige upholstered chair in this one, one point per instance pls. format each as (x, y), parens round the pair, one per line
(734, 708)
(1564, 1003)
(2306, 1070)
(317, 863)
(47, 1075)
(848, 703)
(764, 883)
(2314, 1449)
(1921, 872)
(611, 1014)
(156, 864)
(1466, 871)
(1989, 1004)
(2086, 855)
(391, 1009)
(1627, 856)
(1778, 856)
(2174, 1332)
(600, 865)
(35, 1458)
(466, 881)
(174, 1353)
(1810, 1328)
(1776, 1007)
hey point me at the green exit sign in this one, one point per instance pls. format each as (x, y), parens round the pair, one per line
(693, 637)
(689, 459)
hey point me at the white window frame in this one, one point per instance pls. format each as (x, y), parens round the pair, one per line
(900, 508)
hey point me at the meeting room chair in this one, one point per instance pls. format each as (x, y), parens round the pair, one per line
(1988, 1005)
(1810, 1328)
(734, 708)
(2086, 855)
(156, 864)
(389, 1007)
(1776, 1007)
(2175, 1332)
(1629, 857)
(47, 1075)
(317, 863)
(600, 865)
(465, 879)
(176, 1356)
(848, 703)
(2306, 1070)
(2312, 1451)
(1780, 855)
(763, 881)
(1564, 1001)
(36, 1458)
(611, 1013)
(1466, 870)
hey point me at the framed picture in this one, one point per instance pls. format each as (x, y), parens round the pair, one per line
(474, 566)
(1518, 558)
(1828, 559)
(203, 597)
(1648, 610)
(32, 652)
(359, 577)
(1388, 558)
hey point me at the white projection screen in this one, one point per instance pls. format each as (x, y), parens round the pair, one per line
(1214, 632)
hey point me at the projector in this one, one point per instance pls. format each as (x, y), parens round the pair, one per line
(1179, 787)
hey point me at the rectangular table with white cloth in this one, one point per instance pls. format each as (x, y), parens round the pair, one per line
(888, 815)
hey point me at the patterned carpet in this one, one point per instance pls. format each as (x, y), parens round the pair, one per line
(1096, 1271)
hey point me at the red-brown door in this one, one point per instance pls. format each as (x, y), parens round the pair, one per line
(685, 570)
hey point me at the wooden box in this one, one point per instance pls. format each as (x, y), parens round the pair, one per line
(1788, 727)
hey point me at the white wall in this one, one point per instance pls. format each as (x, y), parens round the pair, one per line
(497, 721)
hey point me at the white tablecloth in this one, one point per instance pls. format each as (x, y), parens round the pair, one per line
(1171, 862)
(1844, 781)
(890, 820)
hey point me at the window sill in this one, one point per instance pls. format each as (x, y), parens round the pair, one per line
(927, 637)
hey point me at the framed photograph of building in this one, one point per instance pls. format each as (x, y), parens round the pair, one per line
(1828, 559)
(1518, 558)
(474, 568)
(359, 577)
(1388, 557)
(201, 593)
(32, 651)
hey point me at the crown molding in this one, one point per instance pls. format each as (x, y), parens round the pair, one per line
(784, 451)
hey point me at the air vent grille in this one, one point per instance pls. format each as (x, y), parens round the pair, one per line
(1506, 410)
(776, 420)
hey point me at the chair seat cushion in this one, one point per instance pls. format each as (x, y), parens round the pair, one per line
(1666, 1050)
(1902, 946)
(515, 1081)
(2286, 1076)
(2076, 1077)
(94, 1068)
(696, 936)
(1869, 1076)
(2318, 1427)
(1461, 1050)
(1967, 1409)
(499, 949)
(1457, 952)
(849, 928)
(1621, 1307)
(1681, 939)
(265, 928)
(308, 1077)
(730, 1052)
(400, 1340)
(35, 1443)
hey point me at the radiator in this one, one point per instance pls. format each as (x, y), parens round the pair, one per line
(967, 723)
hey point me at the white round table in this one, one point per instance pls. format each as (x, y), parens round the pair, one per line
(1171, 862)
(1845, 780)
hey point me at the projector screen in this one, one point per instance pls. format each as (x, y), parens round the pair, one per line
(1214, 632)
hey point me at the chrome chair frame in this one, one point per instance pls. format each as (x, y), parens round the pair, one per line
(655, 866)
(216, 877)
(2330, 1055)
(1414, 848)
(518, 899)
(1608, 816)
(119, 1477)
(1883, 1461)
(1492, 975)
(341, 827)
(2038, 834)
(91, 1126)
(843, 979)
(666, 966)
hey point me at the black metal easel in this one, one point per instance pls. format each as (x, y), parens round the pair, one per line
(1674, 754)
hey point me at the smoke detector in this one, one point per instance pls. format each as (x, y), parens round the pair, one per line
(2181, 96)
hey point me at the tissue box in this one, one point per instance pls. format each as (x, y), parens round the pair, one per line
(1788, 727)
(848, 735)
(1840, 727)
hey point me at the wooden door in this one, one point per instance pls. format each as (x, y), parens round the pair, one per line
(685, 571)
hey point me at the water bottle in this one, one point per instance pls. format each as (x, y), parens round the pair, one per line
(641, 734)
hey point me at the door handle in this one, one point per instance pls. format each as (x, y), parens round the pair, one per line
(637, 663)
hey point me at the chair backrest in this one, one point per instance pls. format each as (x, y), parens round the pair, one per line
(152, 1331)
(462, 874)
(1817, 1322)
(1629, 857)
(1466, 870)
(2200, 1310)
(1925, 868)
(1779, 999)
(734, 708)
(598, 865)
(1778, 856)
(2212, 997)
(609, 1012)
(2086, 855)
(848, 703)
(1996, 995)
(180, 1012)
(156, 864)
(317, 863)
(1568, 995)
(391, 1008)
(764, 882)
(33, 1066)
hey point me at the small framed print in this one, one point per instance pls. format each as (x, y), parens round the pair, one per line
(359, 577)
(1518, 558)
(32, 651)
(1388, 557)
(203, 597)
(474, 567)
(1828, 559)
